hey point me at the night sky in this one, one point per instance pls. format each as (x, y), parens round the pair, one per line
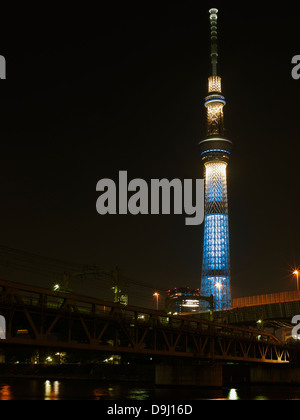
(92, 91)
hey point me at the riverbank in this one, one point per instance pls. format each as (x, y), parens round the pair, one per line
(211, 376)
(103, 372)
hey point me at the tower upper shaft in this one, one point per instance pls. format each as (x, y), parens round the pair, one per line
(214, 40)
(215, 146)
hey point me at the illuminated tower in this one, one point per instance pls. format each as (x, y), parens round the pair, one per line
(215, 153)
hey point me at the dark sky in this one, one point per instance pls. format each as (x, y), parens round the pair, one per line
(92, 91)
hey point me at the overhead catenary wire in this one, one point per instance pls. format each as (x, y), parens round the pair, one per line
(17, 263)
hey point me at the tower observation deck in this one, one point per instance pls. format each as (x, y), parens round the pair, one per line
(215, 153)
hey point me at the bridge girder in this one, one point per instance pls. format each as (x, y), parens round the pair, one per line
(62, 320)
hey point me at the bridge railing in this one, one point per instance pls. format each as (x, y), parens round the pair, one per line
(282, 297)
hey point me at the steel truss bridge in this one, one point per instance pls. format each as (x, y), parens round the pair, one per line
(43, 318)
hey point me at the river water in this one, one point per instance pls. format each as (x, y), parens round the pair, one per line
(65, 389)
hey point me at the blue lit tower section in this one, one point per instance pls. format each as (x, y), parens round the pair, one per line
(215, 153)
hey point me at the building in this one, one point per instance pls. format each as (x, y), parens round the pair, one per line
(183, 300)
(215, 154)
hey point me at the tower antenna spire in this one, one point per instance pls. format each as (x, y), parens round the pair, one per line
(214, 40)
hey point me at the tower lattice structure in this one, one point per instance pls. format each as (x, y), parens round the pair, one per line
(215, 153)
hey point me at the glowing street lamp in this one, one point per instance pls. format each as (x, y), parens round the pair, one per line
(297, 274)
(157, 296)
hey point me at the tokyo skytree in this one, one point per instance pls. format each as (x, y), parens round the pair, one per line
(215, 154)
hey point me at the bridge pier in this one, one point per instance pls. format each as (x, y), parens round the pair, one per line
(217, 375)
(275, 375)
(208, 375)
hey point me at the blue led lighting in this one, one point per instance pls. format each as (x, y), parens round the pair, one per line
(215, 270)
(215, 242)
(220, 99)
(216, 193)
(219, 287)
(216, 254)
(215, 150)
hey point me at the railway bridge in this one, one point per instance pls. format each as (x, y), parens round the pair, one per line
(44, 318)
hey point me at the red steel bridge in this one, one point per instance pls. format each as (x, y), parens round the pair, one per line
(43, 318)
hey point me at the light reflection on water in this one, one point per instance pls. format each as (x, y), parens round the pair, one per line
(5, 392)
(51, 390)
(233, 395)
(39, 389)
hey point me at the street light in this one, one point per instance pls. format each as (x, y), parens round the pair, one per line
(297, 274)
(156, 295)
